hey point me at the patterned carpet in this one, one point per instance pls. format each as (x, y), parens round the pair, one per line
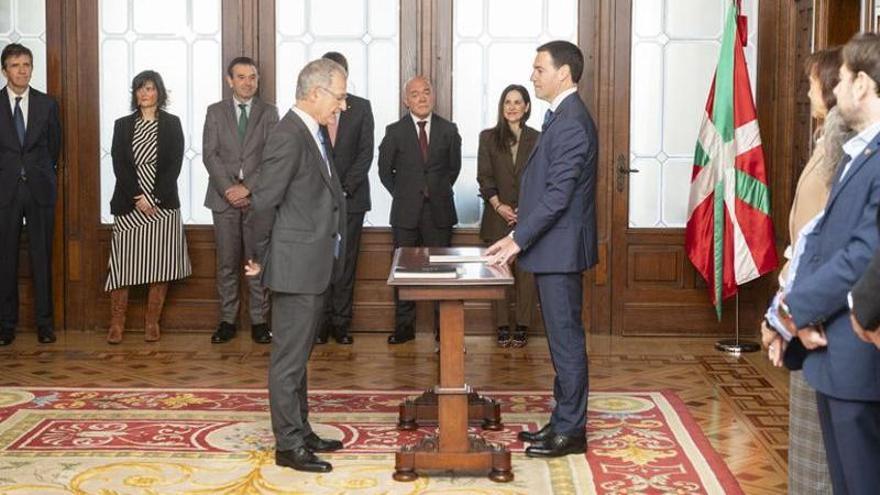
(151, 441)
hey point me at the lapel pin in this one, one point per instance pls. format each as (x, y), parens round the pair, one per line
(868, 151)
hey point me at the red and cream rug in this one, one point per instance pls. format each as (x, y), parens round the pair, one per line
(151, 441)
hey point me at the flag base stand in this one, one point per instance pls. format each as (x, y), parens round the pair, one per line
(736, 346)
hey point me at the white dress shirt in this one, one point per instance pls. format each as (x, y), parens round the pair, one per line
(23, 104)
(854, 147)
(560, 97)
(427, 119)
(247, 105)
(313, 127)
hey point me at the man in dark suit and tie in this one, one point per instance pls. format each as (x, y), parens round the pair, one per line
(300, 253)
(232, 145)
(419, 161)
(351, 147)
(30, 141)
(555, 238)
(844, 370)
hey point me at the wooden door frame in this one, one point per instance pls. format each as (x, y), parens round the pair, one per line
(784, 39)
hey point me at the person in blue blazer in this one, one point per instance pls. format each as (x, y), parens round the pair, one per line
(555, 238)
(844, 370)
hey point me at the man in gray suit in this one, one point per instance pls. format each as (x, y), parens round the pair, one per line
(235, 132)
(300, 252)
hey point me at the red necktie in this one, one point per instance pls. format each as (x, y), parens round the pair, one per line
(423, 140)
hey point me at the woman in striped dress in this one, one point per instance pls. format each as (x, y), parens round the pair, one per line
(148, 245)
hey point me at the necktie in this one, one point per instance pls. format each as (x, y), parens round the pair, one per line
(423, 140)
(242, 121)
(331, 130)
(547, 116)
(323, 149)
(18, 118)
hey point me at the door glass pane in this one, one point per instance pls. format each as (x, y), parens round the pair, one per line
(675, 46)
(494, 45)
(24, 22)
(367, 34)
(179, 39)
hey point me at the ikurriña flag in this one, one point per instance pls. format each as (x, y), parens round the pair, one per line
(729, 236)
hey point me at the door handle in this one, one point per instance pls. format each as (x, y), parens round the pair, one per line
(623, 170)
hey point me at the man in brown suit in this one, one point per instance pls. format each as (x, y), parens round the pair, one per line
(235, 132)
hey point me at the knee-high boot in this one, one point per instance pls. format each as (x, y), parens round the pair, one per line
(155, 301)
(118, 305)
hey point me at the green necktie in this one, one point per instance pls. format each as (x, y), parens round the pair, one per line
(242, 121)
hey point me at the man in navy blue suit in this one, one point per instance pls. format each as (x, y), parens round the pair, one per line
(844, 370)
(30, 142)
(555, 238)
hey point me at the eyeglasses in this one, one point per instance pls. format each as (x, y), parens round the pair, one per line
(340, 98)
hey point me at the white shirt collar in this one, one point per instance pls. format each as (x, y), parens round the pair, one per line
(310, 121)
(23, 104)
(240, 102)
(12, 95)
(857, 144)
(561, 96)
(416, 120)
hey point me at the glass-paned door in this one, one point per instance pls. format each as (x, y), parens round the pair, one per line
(366, 33)
(181, 40)
(494, 44)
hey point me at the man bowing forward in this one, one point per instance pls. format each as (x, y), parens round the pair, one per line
(300, 255)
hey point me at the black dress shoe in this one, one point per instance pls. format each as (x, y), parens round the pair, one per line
(302, 459)
(536, 436)
(558, 446)
(45, 335)
(261, 334)
(224, 333)
(7, 336)
(342, 336)
(401, 335)
(324, 332)
(318, 444)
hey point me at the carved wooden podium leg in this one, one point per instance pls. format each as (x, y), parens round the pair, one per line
(484, 411)
(452, 448)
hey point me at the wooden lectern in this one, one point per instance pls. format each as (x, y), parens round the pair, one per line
(452, 448)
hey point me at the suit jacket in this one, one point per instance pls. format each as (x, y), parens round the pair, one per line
(866, 293)
(406, 176)
(308, 210)
(169, 150)
(556, 222)
(810, 197)
(353, 152)
(39, 155)
(225, 155)
(836, 254)
(499, 173)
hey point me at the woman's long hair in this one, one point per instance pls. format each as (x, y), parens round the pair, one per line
(505, 138)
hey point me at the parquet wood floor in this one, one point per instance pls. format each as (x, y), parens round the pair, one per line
(740, 403)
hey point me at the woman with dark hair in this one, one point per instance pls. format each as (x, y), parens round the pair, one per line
(503, 152)
(148, 244)
(807, 466)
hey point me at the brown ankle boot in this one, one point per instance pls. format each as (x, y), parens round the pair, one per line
(118, 305)
(155, 301)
